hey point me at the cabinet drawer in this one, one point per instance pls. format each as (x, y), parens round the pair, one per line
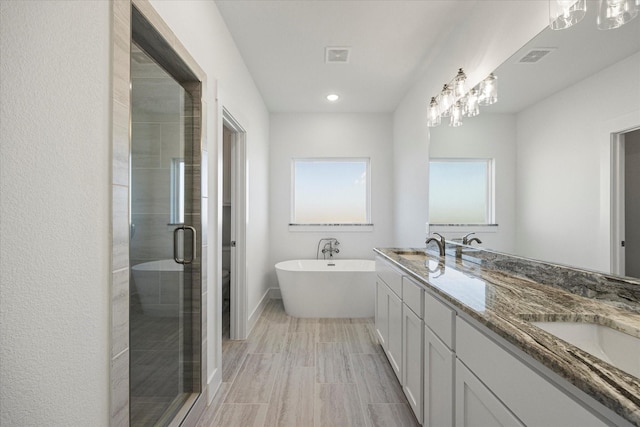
(412, 295)
(440, 319)
(389, 275)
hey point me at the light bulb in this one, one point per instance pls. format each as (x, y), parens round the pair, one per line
(433, 113)
(446, 101)
(456, 115)
(471, 108)
(459, 88)
(615, 13)
(565, 13)
(489, 90)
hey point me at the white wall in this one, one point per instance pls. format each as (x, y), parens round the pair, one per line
(485, 136)
(563, 166)
(329, 135)
(491, 31)
(55, 180)
(199, 26)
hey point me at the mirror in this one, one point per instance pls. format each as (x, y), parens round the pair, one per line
(562, 100)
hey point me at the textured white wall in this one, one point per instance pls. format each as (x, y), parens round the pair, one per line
(55, 205)
(563, 167)
(488, 33)
(486, 136)
(200, 28)
(329, 135)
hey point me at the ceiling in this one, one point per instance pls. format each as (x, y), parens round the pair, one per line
(283, 45)
(395, 43)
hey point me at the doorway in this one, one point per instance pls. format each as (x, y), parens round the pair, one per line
(626, 206)
(233, 242)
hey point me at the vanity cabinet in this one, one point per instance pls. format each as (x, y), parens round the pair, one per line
(501, 376)
(388, 322)
(412, 334)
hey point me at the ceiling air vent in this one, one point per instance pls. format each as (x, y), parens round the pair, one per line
(535, 55)
(337, 55)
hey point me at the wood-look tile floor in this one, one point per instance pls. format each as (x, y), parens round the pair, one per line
(307, 373)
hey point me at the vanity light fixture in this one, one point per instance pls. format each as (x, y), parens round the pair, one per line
(333, 97)
(615, 13)
(455, 102)
(611, 13)
(565, 13)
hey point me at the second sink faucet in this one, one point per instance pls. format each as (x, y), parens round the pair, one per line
(439, 242)
(467, 241)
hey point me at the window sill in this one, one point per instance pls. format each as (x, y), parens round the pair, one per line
(331, 227)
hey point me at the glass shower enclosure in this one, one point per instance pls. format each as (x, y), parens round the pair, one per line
(164, 260)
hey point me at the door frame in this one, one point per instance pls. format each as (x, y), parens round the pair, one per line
(238, 294)
(618, 199)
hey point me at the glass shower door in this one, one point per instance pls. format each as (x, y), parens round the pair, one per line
(164, 343)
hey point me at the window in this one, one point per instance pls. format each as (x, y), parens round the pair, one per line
(461, 191)
(330, 191)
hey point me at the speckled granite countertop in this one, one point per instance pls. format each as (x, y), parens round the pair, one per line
(506, 300)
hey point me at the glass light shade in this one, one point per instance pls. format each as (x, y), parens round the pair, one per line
(565, 13)
(446, 101)
(456, 115)
(433, 114)
(489, 90)
(471, 107)
(615, 13)
(459, 85)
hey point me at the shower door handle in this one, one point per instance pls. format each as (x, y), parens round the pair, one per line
(193, 246)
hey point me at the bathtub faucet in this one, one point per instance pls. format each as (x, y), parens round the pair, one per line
(329, 247)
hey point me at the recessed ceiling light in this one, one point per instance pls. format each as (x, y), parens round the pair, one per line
(333, 97)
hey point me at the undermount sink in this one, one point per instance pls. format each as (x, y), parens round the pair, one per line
(412, 255)
(614, 347)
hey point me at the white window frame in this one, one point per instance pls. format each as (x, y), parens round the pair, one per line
(359, 226)
(490, 220)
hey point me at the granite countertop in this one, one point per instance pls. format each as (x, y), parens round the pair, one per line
(506, 301)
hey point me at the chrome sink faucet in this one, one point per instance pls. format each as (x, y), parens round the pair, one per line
(467, 241)
(439, 242)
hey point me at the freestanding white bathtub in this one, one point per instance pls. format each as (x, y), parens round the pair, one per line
(158, 285)
(327, 288)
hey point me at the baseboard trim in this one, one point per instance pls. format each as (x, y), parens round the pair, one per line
(213, 385)
(255, 315)
(274, 293)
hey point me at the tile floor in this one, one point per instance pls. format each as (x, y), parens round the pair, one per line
(307, 372)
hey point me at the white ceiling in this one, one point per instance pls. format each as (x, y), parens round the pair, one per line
(394, 44)
(283, 45)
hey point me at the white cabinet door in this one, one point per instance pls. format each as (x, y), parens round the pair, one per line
(476, 405)
(394, 350)
(438, 382)
(412, 360)
(382, 313)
